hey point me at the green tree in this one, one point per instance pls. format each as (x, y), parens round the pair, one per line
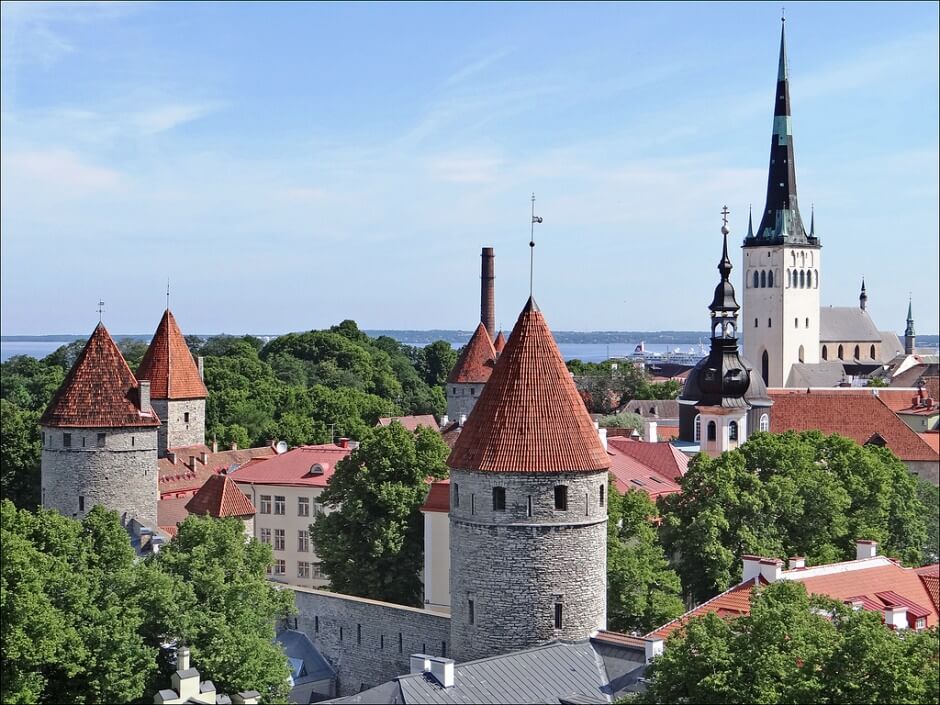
(371, 544)
(794, 648)
(622, 420)
(642, 591)
(929, 495)
(436, 361)
(19, 455)
(789, 494)
(133, 351)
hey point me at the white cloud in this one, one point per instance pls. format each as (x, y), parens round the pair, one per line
(59, 171)
(166, 117)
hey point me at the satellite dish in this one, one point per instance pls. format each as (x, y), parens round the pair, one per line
(281, 447)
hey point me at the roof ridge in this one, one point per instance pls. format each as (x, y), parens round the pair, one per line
(477, 359)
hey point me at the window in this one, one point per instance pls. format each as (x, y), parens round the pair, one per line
(920, 623)
(712, 431)
(303, 541)
(44, 438)
(279, 539)
(733, 431)
(443, 649)
(841, 353)
(185, 417)
(279, 504)
(100, 441)
(809, 278)
(471, 617)
(499, 499)
(528, 506)
(280, 566)
(456, 495)
(381, 641)
(83, 441)
(769, 323)
(265, 504)
(473, 503)
(358, 633)
(316, 571)
(316, 623)
(770, 278)
(756, 279)
(340, 633)
(763, 279)
(266, 536)
(697, 432)
(558, 615)
(601, 501)
(871, 352)
(802, 279)
(561, 497)
(858, 352)
(473, 391)
(303, 570)
(796, 322)
(816, 278)
(303, 506)
(755, 323)
(807, 323)
(454, 390)
(132, 441)
(66, 440)
(81, 503)
(765, 366)
(400, 643)
(825, 352)
(800, 354)
(764, 422)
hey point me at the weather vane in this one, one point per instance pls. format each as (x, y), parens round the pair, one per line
(535, 219)
(167, 293)
(100, 310)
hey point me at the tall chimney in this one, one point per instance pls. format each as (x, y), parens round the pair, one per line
(487, 293)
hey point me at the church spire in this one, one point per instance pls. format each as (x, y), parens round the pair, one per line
(863, 297)
(781, 221)
(909, 335)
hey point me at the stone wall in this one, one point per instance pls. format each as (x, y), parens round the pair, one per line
(122, 475)
(461, 398)
(925, 469)
(174, 430)
(516, 566)
(366, 641)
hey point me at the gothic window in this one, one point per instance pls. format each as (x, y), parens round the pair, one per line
(499, 499)
(871, 352)
(561, 497)
(793, 256)
(733, 431)
(807, 322)
(456, 495)
(802, 279)
(825, 352)
(756, 279)
(800, 354)
(770, 280)
(858, 352)
(765, 367)
(764, 422)
(763, 279)
(841, 354)
(809, 278)
(794, 277)
(712, 431)
(816, 278)
(697, 433)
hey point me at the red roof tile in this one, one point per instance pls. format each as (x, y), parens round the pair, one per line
(499, 343)
(631, 474)
(100, 390)
(220, 497)
(184, 477)
(931, 438)
(411, 423)
(731, 603)
(170, 513)
(438, 499)
(932, 586)
(475, 363)
(294, 467)
(856, 416)
(662, 457)
(529, 417)
(169, 364)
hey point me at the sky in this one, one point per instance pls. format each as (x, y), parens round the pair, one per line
(288, 166)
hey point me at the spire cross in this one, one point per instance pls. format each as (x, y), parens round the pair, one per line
(535, 219)
(100, 310)
(724, 216)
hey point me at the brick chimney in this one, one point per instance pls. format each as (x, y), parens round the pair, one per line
(488, 292)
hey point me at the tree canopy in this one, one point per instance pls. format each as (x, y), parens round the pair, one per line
(795, 648)
(606, 385)
(371, 542)
(791, 494)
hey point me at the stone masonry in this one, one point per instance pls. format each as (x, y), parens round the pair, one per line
(516, 565)
(461, 398)
(368, 642)
(120, 475)
(175, 430)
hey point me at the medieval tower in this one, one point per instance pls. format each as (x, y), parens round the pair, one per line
(781, 261)
(99, 438)
(528, 507)
(177, 391)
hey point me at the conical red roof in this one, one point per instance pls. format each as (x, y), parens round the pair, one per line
(99, 391)
(475, 363)
(169, 364)
(530, 417)
(220, 497)
(499, 343)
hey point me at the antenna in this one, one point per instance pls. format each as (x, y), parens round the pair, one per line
(167, 293)
(535, 219)
(100, 310)
(332, 432)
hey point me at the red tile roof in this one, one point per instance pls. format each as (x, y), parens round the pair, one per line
(169, 364)
(735, 602)
(855, 416)
(450, 432)
(411, 423)
(183, 478)
(220, 497)
(662, 457)
(438, 499)
(100, 390)
(170, 513)
(529, 417)
(475, 363)
(294, 467)
(631, 474)
(620, 639)
(499, 343)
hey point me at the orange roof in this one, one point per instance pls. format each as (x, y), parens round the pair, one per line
(310, 466)
(499, 343)
(475, 363)
(856, 416)
(438, 499)
(185, 477)
(663, 457)
(932, 438)
(529, 417)
(170, 513)
(631, 474)
(219, 497)
(930, 577)
(169, 364)
(735, 602)
(100, 390)
(411, 423)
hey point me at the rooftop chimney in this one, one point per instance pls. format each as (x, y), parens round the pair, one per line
(487, 292)
(343, 443)
(182, 659)
(445, 419)
(770, 569)
(649, 432)
(420, 663)
(797, 562)
(602, 434)
(653, 647)
(171, 456)
(750, 567)
(865, 549)
(185, 680)
(233, 446)
(201, 364)
(192, 462)
(462, 420)
(215, 444)
(144, 388)
(204, 458)
(442, 669)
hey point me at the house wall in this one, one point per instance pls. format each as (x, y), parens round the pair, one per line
(368, 642)
(174, 430)
(925, 469)
(461, 398)
(437, 561)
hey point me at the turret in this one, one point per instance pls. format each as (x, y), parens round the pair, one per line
(910, 339)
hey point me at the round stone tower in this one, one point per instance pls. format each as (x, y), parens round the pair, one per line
(99, 438)
(468, 378)
(528, 507)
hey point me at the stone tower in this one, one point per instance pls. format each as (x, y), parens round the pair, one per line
(99, 438)
(910, 338)
(723, 401)
(781, 261)
(176, 387)
(466, 381)
(528, 509)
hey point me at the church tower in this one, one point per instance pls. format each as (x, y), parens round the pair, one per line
(176, 387)
(528, 507)
(781, 261)
(910, 338)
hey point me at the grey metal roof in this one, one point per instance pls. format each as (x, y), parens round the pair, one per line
(386, 694)
(653, 408)
(297, 646)
(890, 345)
(819, 374)
(844, 324)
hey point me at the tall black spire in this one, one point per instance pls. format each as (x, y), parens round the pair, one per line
(910, 337)
(781, 221)
(863, 297)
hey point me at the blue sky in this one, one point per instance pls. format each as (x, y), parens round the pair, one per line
(289, 166)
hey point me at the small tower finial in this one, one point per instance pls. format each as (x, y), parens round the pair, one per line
(863, 296)
(100, 310)
(535, 219)
(167, 293)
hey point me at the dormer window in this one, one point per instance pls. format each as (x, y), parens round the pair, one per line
(315, 469)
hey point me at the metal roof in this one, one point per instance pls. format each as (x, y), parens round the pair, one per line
(846, 324)
(297, 645)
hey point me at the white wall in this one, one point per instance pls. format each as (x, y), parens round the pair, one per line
(437, 561)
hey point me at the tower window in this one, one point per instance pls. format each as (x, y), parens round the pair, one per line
(802, 279)
(83, 441)
(697, 433)
(471, 616)
(358, 633)
(816, 279)
(800, 354)
(499, 499)
(764, 422)
(763, 279)
(796, 322)
(770, 278)
(733, 431)
(132, 441)
(841, 353)
(807, 322)
(316, 623)
(756, 279)
(858, 352)
(601, 502)
(561, 497)
(473, 508)
(185, 417)
(400, 643)
(528, 506)
(871, 352)
(558, 615)
(825, 352)
(101, 440)
(769, 323)
(81, 503)
(66, 440)
(456, 495)
(755, 323)
(712, 431)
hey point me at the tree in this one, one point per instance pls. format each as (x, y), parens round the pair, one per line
(436, 362)
(623, 420)
(795, 648)
(133, 351)
(371, 544)
(19, 455)
(790, 494)
(929, 495)
(642, 591)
